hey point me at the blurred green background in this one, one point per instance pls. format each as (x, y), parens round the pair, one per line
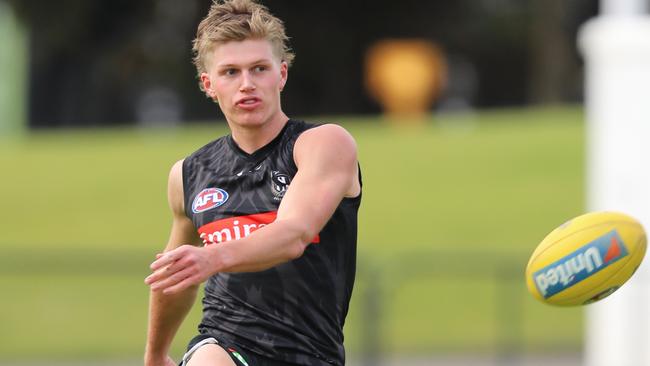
(451, 211)
(98, 100)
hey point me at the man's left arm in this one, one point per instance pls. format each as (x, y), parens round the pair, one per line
(326, 158)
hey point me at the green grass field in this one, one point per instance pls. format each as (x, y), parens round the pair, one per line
(451, 212)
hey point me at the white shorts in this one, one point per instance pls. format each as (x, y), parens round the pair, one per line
(188, 355)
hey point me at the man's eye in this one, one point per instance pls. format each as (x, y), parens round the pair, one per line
(260, 68)
(230, 72)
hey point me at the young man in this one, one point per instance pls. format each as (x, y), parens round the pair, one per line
(267, 215)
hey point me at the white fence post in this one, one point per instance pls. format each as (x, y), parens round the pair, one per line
(616, 47)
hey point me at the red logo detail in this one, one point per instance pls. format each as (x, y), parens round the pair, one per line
(613, 251)
(238, 227)
(209, 198)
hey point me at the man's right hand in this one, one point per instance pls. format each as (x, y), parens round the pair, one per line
(164, 361)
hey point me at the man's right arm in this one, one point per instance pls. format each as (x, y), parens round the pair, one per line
(166, 312)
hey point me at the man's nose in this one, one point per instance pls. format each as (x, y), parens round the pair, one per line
(246, 82)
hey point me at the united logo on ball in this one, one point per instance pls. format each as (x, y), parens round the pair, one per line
(208, 199)
(586, 259)
(580, 264)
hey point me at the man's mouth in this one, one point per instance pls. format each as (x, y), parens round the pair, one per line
(249, 103)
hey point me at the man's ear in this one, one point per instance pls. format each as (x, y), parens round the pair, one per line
(207, 86)
(284, 73)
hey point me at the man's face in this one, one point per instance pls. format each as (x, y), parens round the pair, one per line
(246, 78)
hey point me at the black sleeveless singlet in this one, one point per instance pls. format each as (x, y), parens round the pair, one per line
(293, 312)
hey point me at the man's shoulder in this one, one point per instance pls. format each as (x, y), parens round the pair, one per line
(326, 143)
(297, 126)
(326, 133)
(319, 129)
(210, 149)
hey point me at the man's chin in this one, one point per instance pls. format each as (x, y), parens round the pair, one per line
(251, 120)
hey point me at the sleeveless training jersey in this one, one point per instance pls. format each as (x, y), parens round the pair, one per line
(293, 312)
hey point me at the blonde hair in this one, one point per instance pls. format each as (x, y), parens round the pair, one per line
(238, 20)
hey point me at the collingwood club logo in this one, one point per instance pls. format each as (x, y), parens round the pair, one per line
(279, 183)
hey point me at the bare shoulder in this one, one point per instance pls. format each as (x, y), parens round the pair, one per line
(329, 151)
(330, 133)
(176, 175)
(175, 188)
(330, 139)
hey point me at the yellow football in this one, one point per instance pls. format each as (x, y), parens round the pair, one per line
(586, 259)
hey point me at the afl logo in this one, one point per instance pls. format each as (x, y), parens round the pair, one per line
(208, 199)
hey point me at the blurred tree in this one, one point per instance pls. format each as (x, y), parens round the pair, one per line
(121, 61)
(555, 74)
(96, 62)
(550, 51)
(13, 73)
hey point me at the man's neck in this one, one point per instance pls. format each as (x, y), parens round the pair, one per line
(253, 138)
